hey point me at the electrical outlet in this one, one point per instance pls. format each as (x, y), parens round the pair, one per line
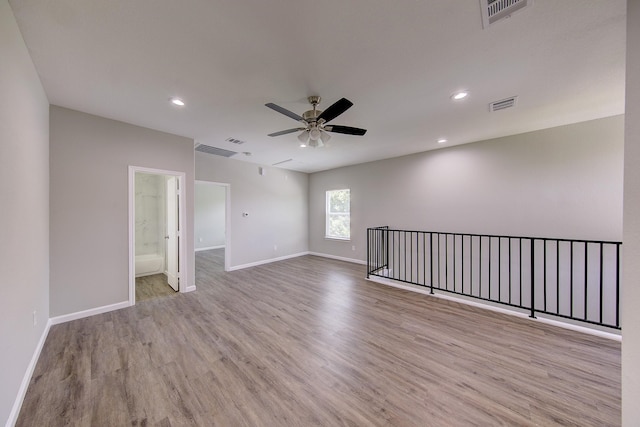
(353, 248)
(200, 239)
(275, 247)
(35, 318)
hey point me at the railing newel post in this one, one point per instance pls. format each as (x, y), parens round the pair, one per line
(533, 280)
(368, 253)
(617, 285)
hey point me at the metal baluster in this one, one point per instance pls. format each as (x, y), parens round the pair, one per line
(431, 269)
(533, 281)
(509, 270)
(454, 263)
(558, 276)
(571, 281)
(446, 261)
(544, 272)
(601, 278)
(490, 268)
(521, 277)
(499, 269)
(586, 272)
(617, 285)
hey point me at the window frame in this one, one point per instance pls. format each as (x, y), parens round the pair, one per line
(328, 214)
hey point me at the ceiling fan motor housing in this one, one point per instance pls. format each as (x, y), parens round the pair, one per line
(311, 115)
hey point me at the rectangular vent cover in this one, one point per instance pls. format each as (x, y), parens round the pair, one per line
(215, 151)
(503, 104)
(235, 141)
(496, 10)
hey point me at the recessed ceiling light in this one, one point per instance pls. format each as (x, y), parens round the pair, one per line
(460, 95)
(177, 101)
(442, 141)
(303, 145)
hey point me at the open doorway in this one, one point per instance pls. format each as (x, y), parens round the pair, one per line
(156, 218)
(211, 226)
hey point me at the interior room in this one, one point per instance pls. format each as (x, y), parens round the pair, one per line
(361, 213)
(155, 243)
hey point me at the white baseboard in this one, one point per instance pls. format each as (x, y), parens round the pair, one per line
(583, 329)
(209, 248)
(486, 306)
(282, 258)
(190, 288)
(24, 385)
(86, 313)
(339, 258)
(267, 261)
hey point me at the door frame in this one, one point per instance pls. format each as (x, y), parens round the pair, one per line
(227, 220)
(182, 223)
(171, 230)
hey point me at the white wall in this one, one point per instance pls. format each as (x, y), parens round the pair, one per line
(209, 215)
(150, 214)
(560, 182)
(24, 211)
(277, 204)
(631, 242)
(90, 157)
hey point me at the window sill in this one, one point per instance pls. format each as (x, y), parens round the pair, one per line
(338, 239)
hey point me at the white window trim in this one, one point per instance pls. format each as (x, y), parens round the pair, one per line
(338, 239)
(326, 217)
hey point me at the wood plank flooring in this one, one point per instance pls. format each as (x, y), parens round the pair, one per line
(153, 286)
(308, 341)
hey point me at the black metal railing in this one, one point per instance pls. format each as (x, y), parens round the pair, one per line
(568, 278)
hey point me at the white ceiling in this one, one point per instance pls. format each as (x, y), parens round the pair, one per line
(397, 61)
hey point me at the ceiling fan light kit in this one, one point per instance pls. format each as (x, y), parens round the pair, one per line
(314, 134)
(314, 122)
(304, 136)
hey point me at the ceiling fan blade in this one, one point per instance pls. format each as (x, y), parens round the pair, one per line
(284, 111)
(345, 129)
(284, 132)
(335, 110)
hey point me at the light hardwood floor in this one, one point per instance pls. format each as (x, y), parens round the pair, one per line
(308, 341)
(154, 286)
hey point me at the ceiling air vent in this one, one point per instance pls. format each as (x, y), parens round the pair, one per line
(503, 104)
(215, 151)
(496, 10)
(235, 141)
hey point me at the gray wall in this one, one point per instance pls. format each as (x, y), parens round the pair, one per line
(277, 204)
(209, 215)
(24, 211)
(90, 157)
(559, 182)
(631, 242)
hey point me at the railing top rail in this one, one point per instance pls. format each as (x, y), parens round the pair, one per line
(386, 227)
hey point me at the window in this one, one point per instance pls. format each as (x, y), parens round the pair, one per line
(338, 214)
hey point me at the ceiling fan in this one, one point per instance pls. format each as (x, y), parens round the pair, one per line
(314, 122)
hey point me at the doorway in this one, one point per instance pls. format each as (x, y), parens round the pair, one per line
(156, 247)
(211, 225)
